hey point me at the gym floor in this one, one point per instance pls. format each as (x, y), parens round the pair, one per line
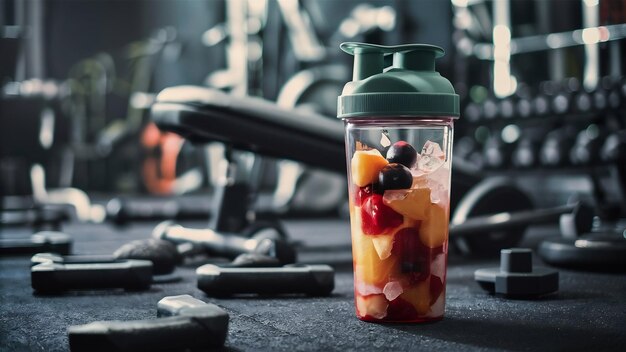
(588, 312)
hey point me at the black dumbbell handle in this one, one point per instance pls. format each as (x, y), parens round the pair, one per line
(122, 211)
(40, 242)
(315, 280)
(40, 258)
(173, 305)
(190, 325)
(508, 220)
(128, 274)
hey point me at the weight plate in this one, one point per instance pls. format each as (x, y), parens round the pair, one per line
(493, 195)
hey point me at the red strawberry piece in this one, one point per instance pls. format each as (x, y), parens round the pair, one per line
(377, 218)
(361, 194)
(414, 256)
(401, 310)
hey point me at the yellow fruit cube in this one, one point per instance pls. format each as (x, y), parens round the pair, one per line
(383, 245)
(434, 229)
(365, 166)
(369, 268)
(414, 205)
(419, 296)
(373, 305)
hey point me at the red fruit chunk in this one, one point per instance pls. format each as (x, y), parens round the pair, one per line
(436, 288)
(401, 310)
(362, 193)
(414, 256)
(377, 218)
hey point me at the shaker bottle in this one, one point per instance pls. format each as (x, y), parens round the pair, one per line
(398, 132)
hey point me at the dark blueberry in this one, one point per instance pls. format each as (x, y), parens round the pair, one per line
(402, 153)
(395, 176)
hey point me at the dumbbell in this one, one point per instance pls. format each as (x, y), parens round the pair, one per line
(614, 94)
(121, 211)
(313, 280)
(523, 107)
(467, 151)
(522, 101)
(600, 99)
(44, 241)
(583, 102)
(464, 146)
(38, 217)
(614, 147)
(542, 101)
(497, 152)
(490, 109)
(184, 323)
(588, 144)
(556, 147)
(540, 105)
(265, 240)
(561, 102)
(506, 108)
(164, 255)
(603, 97)
(526, 153)
(55, 275)
(614, 152)
(472, 112)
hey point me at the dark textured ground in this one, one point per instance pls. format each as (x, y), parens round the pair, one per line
(588, 314)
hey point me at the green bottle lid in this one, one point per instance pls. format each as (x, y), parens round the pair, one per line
(410, 87)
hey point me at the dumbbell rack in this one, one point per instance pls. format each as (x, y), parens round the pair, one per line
(559, 142)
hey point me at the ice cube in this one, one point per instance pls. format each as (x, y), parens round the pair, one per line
(384, 140)
(415, 172)
(431, 157)
(392, 290)
(438, 194)
(437, 182)
(440, 176)
(366, 289)
(394, 194)
(436, 310)
(438, 266)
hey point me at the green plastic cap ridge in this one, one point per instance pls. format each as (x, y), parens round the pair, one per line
(409, 87)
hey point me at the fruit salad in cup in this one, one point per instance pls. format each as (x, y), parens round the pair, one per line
(399, 212)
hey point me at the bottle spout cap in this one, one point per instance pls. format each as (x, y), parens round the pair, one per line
(369, 59)
(399, 80)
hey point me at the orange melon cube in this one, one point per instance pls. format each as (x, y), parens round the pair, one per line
(434, 229)
(369, 268)
(383, 245)
(374, 306)
(418, 296)
(365, 166)
(414, 205)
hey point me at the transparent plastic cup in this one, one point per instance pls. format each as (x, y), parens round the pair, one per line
(399, 186)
